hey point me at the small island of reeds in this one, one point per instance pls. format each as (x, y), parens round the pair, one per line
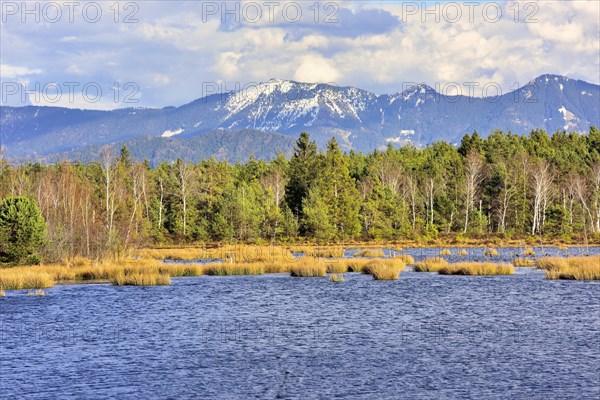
(370, 253)
(571, 268)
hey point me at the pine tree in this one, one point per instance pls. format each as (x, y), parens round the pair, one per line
(339, 192)
(317, 221)
(302, 173)
(22, 231)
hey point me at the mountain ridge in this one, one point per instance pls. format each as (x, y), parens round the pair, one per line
(358, 118)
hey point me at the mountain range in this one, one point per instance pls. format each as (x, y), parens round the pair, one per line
(267, 118)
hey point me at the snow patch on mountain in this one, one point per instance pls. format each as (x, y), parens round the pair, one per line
(569, 117)
(169, 133)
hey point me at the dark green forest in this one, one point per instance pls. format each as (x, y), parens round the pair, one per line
(506, 186)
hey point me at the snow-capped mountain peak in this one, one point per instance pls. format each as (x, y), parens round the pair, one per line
(360, 119)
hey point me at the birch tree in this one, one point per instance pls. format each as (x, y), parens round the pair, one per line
(473, 178)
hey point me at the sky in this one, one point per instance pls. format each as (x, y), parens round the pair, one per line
(109, 54)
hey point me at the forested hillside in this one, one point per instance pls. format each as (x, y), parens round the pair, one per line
(506, 185)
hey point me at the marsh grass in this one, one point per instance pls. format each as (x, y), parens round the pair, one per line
(328, 252)
(175, 270)
(252, 254)
(529, 252)
(336, 278)
(186, 253)
(78, 262)
(19, 278)
(369, 253)
(37, 293)
(406, 258)
(384, 270)
(338, 267)
(572, 268)
(308, 267)
(490, 252)
(433, 264)
(463, 252)
(2, 293)
(550, 263)
(228, 269)
(45, 276)
(477, 268)
(137, 278)
(562, 247)
(356, 265)
(236, 253)
(299, 249)
(445, 252)
(523, 262)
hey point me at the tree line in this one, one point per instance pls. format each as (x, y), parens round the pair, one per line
(506, 184)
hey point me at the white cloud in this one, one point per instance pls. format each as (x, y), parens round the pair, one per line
(15, 72)
(160, 79)
(316, 69)
(173, 46)
(227, 64)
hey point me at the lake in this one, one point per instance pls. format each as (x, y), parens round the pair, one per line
(424, 336)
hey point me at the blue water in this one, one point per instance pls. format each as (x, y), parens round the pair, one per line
(424, 336)
(505, 254)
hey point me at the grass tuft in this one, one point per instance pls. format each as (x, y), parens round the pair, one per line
(356, 265)
(19, 278)
(445, 252)
(2, 293)
(385, 271)
(37, 293)
(463, 252)
(490, 252)
(573, 268)
(308, 267)
(433, 264)
(322, 252)
(136, 278)
(336, 278)
(407, 259)
(337, 267)
(370, 253)
(523, 262)
(228, 269)
(328, 252)
(550, 263)
(529, 252)
(477, 268)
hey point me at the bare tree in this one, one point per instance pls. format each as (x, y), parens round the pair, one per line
(184, 180)
(433, 184)
(390, 173)
(582, 192)
(596, 193)
(137, 188)
(275, 181)
(161, 204)
(542, 183)
(108, 172)
(507, 193)
(410, 194)
(473, 178)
